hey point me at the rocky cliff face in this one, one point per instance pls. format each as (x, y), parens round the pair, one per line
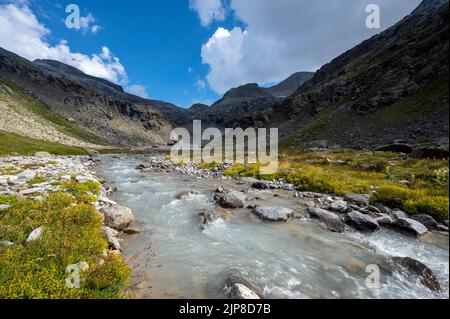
(94, 104)
(390, 88)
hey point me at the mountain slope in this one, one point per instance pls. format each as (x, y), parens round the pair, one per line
(390, 88)
(96, 105)
(290, 85)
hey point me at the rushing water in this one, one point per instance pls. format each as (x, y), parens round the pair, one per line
(173, 257)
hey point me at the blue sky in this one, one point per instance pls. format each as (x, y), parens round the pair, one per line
(192, 51)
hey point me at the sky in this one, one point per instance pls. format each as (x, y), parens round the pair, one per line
(192, 51)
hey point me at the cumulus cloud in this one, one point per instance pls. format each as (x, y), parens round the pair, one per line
(87, 24)
(138, 90)
(22, 33)
(208, 10)
(285, 36)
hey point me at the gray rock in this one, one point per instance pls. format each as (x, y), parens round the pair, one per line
(118, 217)
(233, 199)
(273, 213)
(111, 237)
(411, 226)
(361, 222)
(442, 227)
(34, 190)
(338, 206)
(239, 291)
(397, 213)
(4, 207)
(386, 220)
(6, 243)
(445, 222)
(426, 220)
(35, 235)
(383, 209)
(261, 185)
(330, 220)
(360, 199)
(132, 230)
(420, 271)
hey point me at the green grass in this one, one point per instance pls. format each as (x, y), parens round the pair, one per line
(16, 144)
(342, 172)
(19, 97)
(72, 233)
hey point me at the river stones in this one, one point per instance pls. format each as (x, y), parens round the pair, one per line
(211, 215)
(411, 227)
(362, 222)
(111, 237)
(261, 185)
(35, 235)
(242, 277)
(274, 214)
(386, 220)
(397, 213)
(420, 271)
(239, 291)
(338, 206)
(233, 199)
(360, 199)
(426, 220)
(328, 219)
(118, 217)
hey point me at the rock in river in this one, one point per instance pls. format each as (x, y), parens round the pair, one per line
(426, 220)
(361, 222)
(239, 291)
(330, 220)
(233, 199)
(118, 217)
(411, 226)
(261, 185)
(273, 213)
(419, 270)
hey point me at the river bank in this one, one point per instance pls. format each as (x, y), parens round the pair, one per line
(56, 222)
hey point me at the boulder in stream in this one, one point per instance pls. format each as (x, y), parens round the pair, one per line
(118, 217)
(275, 214)
(233, 199)
(411, 227)
(426, 220)
(328, 219)
(239, 291)
(261, 185)
(420, 271)
(362, 222)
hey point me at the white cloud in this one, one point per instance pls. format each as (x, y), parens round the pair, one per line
(22, 33)
(208, 10)
(285, 36)
(138, 90)
(200, 84)
(87, 24)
